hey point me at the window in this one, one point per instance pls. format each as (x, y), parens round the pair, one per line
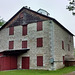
(39, 26)
(62, 44)
(11, 31)
(24, 44)
(24, 30)
(68, 47)
(39, 42)
(11, 44)
(69, 38)
(21, 15)
(39, 60)
(63, 59)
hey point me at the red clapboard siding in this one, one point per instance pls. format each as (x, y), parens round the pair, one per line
(24, 30)
(39, 60)
(11, 44)
(39, 26)
(25, 62)
(11, 31)
(24, 44)
(39, 42)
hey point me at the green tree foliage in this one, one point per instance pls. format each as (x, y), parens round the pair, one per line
(1, 21)
(71, 6)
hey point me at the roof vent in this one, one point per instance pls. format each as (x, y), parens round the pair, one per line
(44, 12)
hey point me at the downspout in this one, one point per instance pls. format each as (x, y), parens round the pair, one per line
(52, 43)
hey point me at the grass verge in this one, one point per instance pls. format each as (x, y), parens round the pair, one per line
(39, 72)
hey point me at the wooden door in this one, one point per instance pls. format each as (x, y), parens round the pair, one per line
(25, 62)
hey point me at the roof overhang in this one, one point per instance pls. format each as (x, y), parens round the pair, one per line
(15, 52)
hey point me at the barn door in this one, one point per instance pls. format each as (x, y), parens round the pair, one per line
(13, 62)
(25, 62)
(1, 63)
(8, 63)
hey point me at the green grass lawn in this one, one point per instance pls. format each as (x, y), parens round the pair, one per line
(38, 72)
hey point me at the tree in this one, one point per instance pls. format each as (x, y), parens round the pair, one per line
(71, 6)
(1, 21)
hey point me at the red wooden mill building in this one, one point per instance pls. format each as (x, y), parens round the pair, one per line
(33, 40)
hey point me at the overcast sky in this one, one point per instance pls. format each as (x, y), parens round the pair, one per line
(56, 8)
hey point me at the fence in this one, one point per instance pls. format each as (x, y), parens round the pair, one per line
(69, 63)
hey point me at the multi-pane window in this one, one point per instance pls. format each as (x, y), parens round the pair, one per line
(39, 26)
(11, 44)
(24, 44)
(39, 42)
(62, 44)
(24, 30)
(11, 31)
(39, 60)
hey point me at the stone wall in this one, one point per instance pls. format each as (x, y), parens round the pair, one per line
(59, 36)
(31, 37)
(44, 51)
(52, 35)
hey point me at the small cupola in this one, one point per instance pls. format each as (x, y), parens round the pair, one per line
(44, 12)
